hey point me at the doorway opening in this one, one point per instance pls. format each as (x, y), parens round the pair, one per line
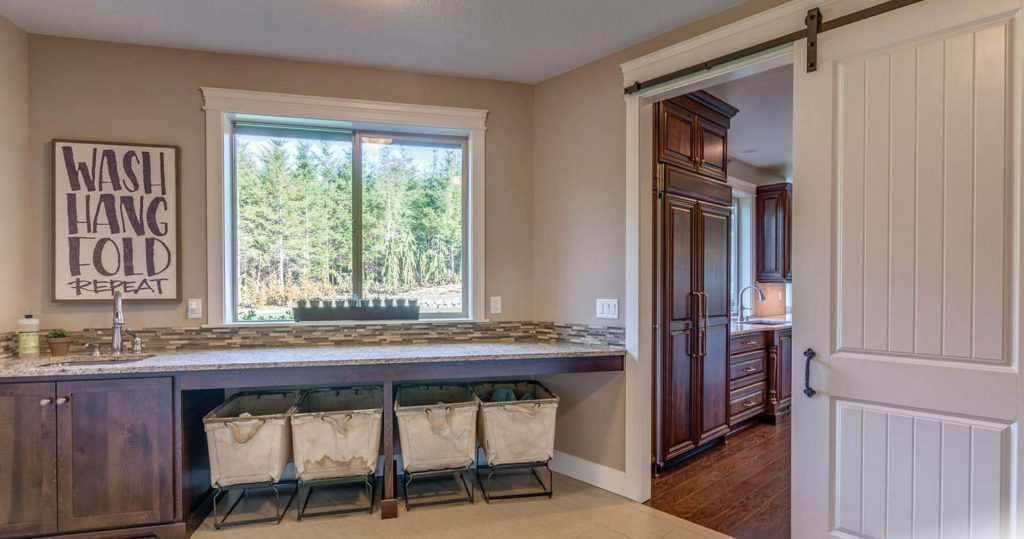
(722, 300)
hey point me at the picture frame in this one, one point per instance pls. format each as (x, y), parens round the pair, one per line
(116, 222)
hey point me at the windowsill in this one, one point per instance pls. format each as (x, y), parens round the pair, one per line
(343, 323)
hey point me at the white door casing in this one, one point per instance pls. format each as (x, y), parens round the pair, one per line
(907, 272)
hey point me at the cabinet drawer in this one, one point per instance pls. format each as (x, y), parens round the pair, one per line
(751, 364)
(747, 342)
(746, 401)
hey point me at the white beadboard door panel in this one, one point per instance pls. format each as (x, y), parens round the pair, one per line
(923, 193)
(905, 473)
(907, 275)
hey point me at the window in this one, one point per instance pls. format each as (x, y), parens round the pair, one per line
(742, 256)
(333, 214)
(312, 198)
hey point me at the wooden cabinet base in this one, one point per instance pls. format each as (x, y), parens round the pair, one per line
(164, 531)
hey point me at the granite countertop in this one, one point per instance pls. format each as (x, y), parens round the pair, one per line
(255, 358)
(737, 328)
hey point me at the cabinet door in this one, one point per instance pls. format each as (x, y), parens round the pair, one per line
(28, 459)
(677, 136)
(677, 369)
(714, 153)
(784, 351)
(115, 453)
(771, 242)
(714, 222)
(787, 235)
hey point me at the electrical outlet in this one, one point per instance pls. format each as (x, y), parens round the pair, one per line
(495, 304)
(195, 308)
(607, 308)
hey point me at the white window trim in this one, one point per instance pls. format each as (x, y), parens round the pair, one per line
(221, 104)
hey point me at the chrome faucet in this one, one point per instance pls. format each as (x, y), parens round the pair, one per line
(115, 340)
(760, 295)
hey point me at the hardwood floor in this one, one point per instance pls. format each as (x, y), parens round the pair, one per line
(740, 488)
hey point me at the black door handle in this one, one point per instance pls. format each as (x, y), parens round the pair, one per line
(809, 354)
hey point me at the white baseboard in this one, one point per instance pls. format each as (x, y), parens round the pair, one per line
(599, 475)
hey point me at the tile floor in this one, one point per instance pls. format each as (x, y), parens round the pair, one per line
(577, 510)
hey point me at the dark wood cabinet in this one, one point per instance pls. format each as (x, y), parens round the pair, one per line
(28, 459)
(692, 134)
(780, 394)
(692, 381)
(114, 453)
(773, 233)
(89, 455)
(693, 378)
(760, 372)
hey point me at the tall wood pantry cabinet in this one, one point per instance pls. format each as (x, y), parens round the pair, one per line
(694, 214)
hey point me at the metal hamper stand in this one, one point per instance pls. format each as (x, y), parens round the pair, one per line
(249, 442)
(437, 426)
(336, 439)
(517, 434)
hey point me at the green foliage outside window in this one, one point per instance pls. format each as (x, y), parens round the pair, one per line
(295, 224)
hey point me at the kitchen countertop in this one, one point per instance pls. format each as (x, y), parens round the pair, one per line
(256, 358)
(737, 328)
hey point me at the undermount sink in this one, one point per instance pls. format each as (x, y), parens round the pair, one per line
(768, 322)
(92, 361)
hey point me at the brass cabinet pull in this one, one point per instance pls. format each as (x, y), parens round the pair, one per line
(748, 404)
(749, 369)
(749, 343)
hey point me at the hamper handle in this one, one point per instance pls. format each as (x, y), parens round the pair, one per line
(243, 438)
(531, 409)
(340, 423)
(434, 422)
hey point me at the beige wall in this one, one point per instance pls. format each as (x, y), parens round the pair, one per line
(580, 219)
(14, 302)
(105, 91)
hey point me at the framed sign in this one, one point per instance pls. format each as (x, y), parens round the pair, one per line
(116, 219)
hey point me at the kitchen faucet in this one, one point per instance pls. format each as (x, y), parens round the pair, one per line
(115, 340)
(760, 296)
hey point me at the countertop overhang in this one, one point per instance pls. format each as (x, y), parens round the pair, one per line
(455, 354)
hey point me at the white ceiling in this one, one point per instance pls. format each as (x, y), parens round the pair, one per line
(516, 40)
(761, 134)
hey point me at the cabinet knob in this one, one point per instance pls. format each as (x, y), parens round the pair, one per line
(45, 402)
(63, 400)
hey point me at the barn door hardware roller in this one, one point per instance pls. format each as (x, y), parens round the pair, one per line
(814, 24)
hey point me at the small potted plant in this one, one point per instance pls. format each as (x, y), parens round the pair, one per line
(58, 341)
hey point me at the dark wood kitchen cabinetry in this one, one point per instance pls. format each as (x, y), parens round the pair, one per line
(780, 393)
(692, 134)
(90, 455)
(28, 458)
(694, 373)
(692, 275)
(773, 237)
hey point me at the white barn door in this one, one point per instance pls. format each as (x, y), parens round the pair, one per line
(907, 264)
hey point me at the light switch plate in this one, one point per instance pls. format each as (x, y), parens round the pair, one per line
(495, 304)
(195, 308)
(607, 308)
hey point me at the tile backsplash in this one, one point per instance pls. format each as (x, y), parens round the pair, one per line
(774, 300)
(257, 336)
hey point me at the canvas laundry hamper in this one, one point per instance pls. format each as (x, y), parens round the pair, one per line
(436, 426)
(519, 431)
(336, 432)
(249, 438)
